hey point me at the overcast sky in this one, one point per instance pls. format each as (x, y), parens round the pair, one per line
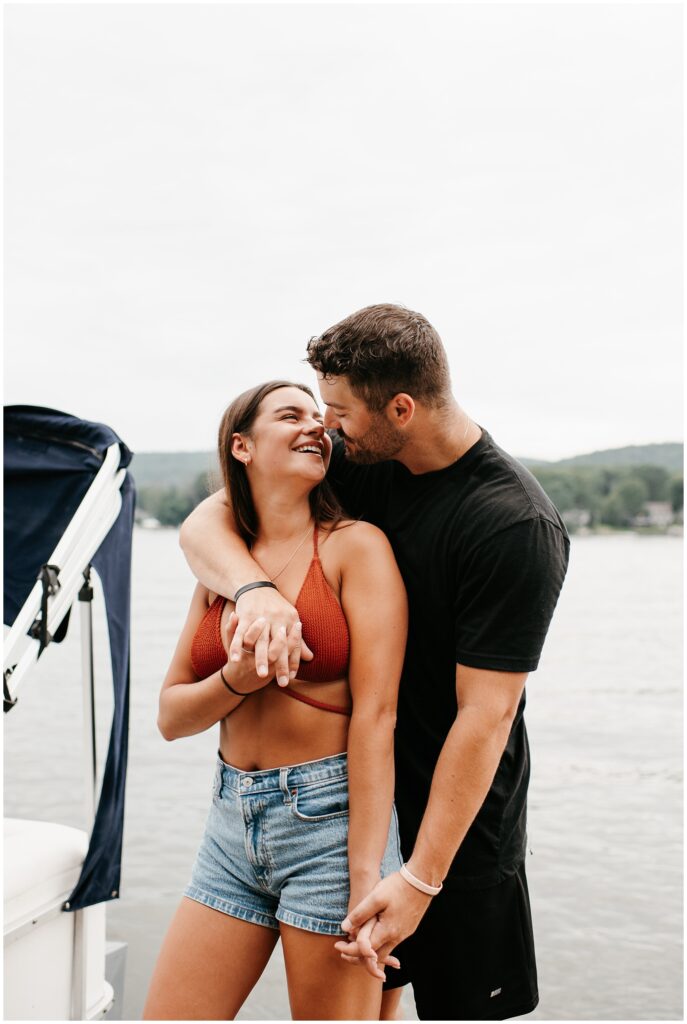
(192, 191)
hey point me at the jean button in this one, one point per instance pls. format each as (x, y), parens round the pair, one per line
(247, 782)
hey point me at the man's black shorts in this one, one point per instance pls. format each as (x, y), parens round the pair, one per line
(472, 957)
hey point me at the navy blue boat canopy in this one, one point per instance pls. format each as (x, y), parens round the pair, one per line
(51, 460)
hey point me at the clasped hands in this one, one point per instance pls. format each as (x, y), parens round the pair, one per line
(389, 914)
(267, 627)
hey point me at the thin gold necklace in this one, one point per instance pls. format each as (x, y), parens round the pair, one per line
(290, 558)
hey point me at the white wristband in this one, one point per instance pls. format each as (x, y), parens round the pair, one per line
(429, 890)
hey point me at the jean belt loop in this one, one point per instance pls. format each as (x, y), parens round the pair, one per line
(218, 782)
(284, 784)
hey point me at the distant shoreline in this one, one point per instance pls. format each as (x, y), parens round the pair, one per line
(638, 488)
(676, 530)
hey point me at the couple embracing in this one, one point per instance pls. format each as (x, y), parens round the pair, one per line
(376, 583)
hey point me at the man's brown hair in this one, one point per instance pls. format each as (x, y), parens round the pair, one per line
(383, 350)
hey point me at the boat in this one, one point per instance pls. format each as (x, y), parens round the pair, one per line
(69, 511)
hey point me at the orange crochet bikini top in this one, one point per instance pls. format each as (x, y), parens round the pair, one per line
(325, 631)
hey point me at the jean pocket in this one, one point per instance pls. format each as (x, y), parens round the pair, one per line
(320, 801)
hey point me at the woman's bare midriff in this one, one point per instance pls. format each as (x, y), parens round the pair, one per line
(269, 729)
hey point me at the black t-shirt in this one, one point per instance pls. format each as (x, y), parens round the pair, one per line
(483, 554)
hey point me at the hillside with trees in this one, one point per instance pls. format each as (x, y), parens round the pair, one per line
(636, 487)
(641, 496)
(668, 456)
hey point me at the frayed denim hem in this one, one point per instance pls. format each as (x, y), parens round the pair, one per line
(310, 924)
(232, 909)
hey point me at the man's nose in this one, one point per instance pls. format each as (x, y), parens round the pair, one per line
(330, 420)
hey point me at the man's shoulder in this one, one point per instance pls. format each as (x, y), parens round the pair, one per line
(503, 492)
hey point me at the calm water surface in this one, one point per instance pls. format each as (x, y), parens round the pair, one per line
(605, 812)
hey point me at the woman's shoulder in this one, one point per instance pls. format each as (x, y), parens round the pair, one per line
(354, 536)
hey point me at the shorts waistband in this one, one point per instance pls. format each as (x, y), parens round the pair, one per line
(245, 783)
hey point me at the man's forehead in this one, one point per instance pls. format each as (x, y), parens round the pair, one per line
(335, 391)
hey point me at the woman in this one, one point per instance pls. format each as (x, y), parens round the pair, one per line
(283, 855)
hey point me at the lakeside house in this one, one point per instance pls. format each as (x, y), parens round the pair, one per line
(145, 520)
(658, 514)
(576, 518)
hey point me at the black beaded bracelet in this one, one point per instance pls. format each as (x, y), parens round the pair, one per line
(229, 687)
(252, 586)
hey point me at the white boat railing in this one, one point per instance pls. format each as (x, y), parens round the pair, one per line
(82, 538)
(90, 996)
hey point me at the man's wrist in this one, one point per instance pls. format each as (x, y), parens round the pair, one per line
(417, 883)
(253, 586)
(423, 870)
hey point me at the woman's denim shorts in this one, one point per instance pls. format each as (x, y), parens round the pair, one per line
(275, 846)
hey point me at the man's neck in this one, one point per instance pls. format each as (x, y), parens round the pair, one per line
(438, 439)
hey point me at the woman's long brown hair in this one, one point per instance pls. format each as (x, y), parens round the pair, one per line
(238, 419)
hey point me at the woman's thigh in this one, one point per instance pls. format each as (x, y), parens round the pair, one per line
(208, 964)
(391, 1004)
(321, 985)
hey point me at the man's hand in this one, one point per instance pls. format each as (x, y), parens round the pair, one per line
(398, 908)
(268, 625)
(358, 950)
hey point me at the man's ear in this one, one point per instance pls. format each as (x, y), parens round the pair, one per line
(400, 409)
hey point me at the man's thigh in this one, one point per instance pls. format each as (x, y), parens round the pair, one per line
(472, 958)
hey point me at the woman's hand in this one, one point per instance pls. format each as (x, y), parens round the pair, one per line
(394, 908)
(241, 673)
(357, 948)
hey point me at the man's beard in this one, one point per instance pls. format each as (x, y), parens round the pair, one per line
(381, 442)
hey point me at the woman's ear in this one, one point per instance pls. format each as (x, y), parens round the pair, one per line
(239, 449)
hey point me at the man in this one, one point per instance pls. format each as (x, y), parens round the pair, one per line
(483, 554)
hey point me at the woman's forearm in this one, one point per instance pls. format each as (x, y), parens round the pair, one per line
(371, 793)
(214, 550)
(190, 708)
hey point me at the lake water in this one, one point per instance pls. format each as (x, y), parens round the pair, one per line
(605, 811)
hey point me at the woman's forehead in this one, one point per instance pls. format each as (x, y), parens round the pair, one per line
(284, 397)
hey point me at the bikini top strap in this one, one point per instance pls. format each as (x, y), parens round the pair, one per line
(316, 553)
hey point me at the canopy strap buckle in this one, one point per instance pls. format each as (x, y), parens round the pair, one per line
(8, 701)
(86, 592)
(39, 628)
